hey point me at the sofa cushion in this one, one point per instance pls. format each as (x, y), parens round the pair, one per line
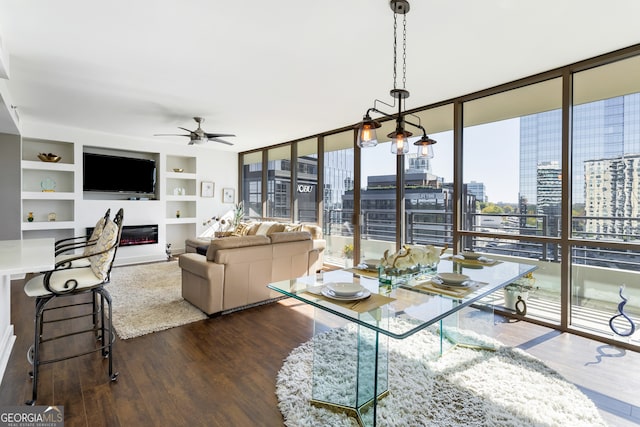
(202, 250)
(235, 242)
(293, 236)
(266, 228)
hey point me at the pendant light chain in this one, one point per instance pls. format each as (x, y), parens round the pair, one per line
(395, 49)
(404, 51)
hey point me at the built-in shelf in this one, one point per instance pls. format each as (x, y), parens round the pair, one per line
(47, 225)
(181, 198)
(180, 194)
(47, 166)
(46, 195)
(180, 220)
(180, 175)
(49, 188)
(57, 177)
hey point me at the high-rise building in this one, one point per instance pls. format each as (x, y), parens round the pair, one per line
(612, 187)
(601, 130)
(478, 189)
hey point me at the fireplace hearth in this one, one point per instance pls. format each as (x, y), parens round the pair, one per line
(134, 235)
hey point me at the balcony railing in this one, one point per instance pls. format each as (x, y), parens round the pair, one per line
(436, 228)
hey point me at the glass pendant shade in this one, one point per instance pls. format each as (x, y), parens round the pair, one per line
(367, 136)
(425, 147)
(425, 151)
(399, 141)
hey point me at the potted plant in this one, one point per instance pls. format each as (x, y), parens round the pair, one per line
(347, 253)
(516, 294)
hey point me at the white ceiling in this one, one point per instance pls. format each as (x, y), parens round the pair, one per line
(276, 71)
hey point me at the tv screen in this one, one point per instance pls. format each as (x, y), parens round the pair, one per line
(118, 174)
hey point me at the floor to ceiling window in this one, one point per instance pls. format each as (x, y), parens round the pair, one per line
(338, 215)
(512, 182)
(428, 185)
(306, 187)
(252, 184)
(545, 170)
(279, 182)
(605, 198)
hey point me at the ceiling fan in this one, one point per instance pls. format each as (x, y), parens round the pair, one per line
(198, 135)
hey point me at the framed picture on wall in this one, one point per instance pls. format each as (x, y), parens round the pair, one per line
(206, 189)
(228, 195)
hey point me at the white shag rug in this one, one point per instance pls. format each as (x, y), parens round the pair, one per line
(147, 298)
(465, 387)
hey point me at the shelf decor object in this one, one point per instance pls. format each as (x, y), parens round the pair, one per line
(48, 185)
(52, 216)
(49, 157)
(206, 189)
(30, 217)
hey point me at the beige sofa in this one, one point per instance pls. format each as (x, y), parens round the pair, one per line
(235, 271)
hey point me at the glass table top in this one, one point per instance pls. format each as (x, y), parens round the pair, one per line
(416, 304)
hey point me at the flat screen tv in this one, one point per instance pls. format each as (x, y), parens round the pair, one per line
(118, 174)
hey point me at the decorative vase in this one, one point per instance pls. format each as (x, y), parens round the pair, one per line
(348, 263)
(178, 214)
(511, 297)
(30, 217)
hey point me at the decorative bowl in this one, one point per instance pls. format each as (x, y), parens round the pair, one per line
(453, 278)
(49, 157)
(345, 289)
(470, 255)
(178, 170)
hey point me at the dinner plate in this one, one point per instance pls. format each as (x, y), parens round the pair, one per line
(464, 284)
(452, 278)
(344, 289)
(365, 293)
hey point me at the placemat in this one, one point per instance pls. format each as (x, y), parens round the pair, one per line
(359, 306)
(452, 291)
(474, 262)
(367, 273)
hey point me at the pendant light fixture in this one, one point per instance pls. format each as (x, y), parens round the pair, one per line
(400, 137)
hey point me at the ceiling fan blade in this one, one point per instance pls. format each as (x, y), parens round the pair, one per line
(169, 134)
(215, 135)
(220, 140)
(190, 131)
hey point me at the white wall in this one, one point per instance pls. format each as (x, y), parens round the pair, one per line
(212, 164)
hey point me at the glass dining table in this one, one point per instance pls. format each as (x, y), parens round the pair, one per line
(381, 312)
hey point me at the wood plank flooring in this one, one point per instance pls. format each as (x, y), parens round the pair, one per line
(221, 371)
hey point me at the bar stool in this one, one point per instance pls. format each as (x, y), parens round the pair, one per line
(67, 280)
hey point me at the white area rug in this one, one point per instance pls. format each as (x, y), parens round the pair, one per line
(464, 387)
(147, 298)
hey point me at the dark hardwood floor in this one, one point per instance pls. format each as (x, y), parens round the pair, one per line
(221, 371)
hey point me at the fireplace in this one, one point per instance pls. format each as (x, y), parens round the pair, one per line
(133, 235)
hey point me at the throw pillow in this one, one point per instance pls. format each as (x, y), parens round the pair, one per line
(293, 227)
(241, 230)
(101, 262)
(95, 234)
(266, 228)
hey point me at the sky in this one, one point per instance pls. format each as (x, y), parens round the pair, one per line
(491, 156)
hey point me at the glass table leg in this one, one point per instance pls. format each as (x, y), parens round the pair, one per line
(348, 374)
